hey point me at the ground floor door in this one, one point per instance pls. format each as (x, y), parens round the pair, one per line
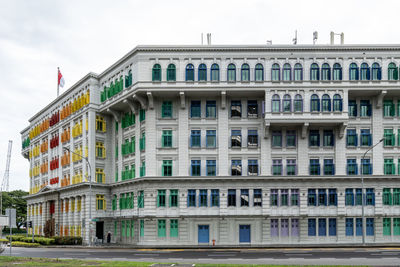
(100, 230)
(244, 233)
(204, 233)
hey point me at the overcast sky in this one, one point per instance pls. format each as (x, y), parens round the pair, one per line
(82, 36)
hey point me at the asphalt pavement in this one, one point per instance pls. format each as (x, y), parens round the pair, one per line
(306, 256)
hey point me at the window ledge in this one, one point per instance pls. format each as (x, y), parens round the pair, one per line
(211, 118)
(189, 81)
(231, 81)
(351, 147)
(275, 81)
(299, 81)
(236, 147)
(214, 81)
(315, 112)
(259, 81)
(245, 81)
(365, 117)
(287, 81)
(166, 119)
(202, 82)
(171, 82)
(252, 117)
(326, 112)
(211, 147)
(166, 148)
(252, 146)
(276, 112)
(156, 82)
(195, 147)
(195, 118)
(236, 118)
(337, 112)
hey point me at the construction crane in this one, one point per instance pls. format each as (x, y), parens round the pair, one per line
(5, 183)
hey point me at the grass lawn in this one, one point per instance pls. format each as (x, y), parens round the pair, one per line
(25, 261)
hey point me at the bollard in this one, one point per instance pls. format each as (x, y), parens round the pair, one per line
(213, 242)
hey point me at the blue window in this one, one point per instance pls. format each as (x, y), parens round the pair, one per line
(312, 197)
(370, 226)
(322, 197)
(365, 137)
(353, 72)
(287, 72)
(337, 103)
(329, 167)
(298, 103)
(314, 137)
(349, 227)
(349, 197)
(366, 166)
(298, 72)
(245, 73)
(211, 139)
(211, 168)
(195, 109)
(252, 109)
(259, 73)
(358, 196)
(352, 167)
(252, 138)
(214, 198)
(275, 72)
(326, 103)
(203, 198)
(322, 227)
(236, 169)
(231, 74)
(257, 198)
(191, 198)
(236, 138)
(244, 197)
(359, 226)
(365, 108)
(315, 167)
(314, 72)
(351, 138)
(252, 168)
(189, 72)
(325, 72)
(214, 72)
(195, 138)
(337, 72)
(202, 72)
(329, 138)
(287, 103)
(370, 197)
(364, 72)
(211, 109)
(315, 105)
(312, 227)
(196, 168)
(231, 197)
(236, 109)
(352, 108)
(332, 197)
(332, 227)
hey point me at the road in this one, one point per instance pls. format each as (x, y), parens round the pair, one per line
(332, 256)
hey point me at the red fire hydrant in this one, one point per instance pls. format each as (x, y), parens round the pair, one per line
(213, 242)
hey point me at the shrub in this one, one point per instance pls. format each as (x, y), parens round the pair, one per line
(40, 240)
(24, 244)
(14, 230)
(3, 240)
(67, 240)
(16, 237)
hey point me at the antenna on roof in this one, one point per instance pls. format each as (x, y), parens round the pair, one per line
(201, 38)
(315, 37)
(209, 38)
(295, 38)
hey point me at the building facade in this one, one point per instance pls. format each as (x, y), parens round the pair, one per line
(232, 145)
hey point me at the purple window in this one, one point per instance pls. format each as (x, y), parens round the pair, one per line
(284, 227)
(295, 227)
(274, 227)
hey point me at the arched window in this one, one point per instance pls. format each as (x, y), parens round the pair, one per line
(214, 72)
(287, 72)
(259, 72)
(376, 72)
(298, 72)
(325, 72)
(314, 72)
(326, 103)
(314, 103)
(276, 103)
(393, 72)
(128, 79)
(337, 72)
(245, 72)
(189, 72)
(231, 72)
(353, 72)
(287, 103)
(298, 104)
(156, 73)
(364, 72)
(171, 72)
(202, 72)
(275, 72)
(337, 103)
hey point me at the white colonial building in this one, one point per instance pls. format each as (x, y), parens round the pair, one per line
(232, 145)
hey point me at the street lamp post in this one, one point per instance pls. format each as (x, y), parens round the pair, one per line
(90, 193)
(363, 199)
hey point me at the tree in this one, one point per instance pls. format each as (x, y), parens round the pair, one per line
(14, 199)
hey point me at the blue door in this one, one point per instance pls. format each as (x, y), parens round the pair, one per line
(244, 233)
(204, 234)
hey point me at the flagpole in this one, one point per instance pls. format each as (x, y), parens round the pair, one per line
(58, 85)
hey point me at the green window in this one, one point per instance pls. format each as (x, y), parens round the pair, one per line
(389, 137)
(132, 227)
(115, 228)
(133, 171)
(387, 226)
(141, 228)
(116, 176)
(396, 196)
(114, 203)
(128, 228)
(388, 108)
(167, 168)
(166, 109)
(396, 226)
(142, 142)
(156, 73)
(173, 198)
(171, 72)
(161, 228)
(388, 167)
(167, 138)
(173, 228)
(143, 169)
(393, 73)
(142, 115)
(387, 196)
(123, 228)
(140, 200)
(161, 198)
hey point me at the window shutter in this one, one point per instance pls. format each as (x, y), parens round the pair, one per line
(368, 73)
(379, 70)
(356, 140)
(319, 105)
(396, 74)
